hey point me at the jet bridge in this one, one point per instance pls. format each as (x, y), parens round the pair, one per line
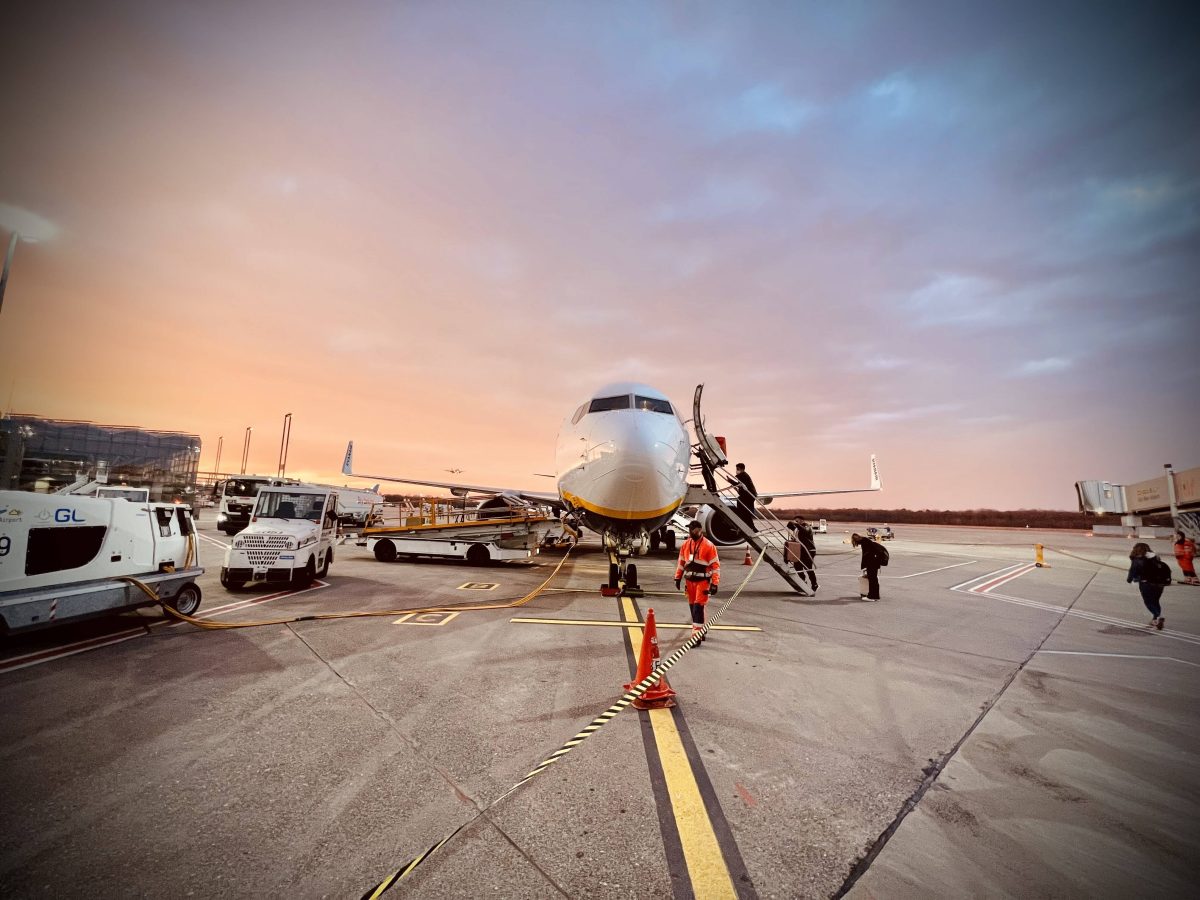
(1177, 493)
(712, 459)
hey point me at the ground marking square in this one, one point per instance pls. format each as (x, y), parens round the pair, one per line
(478, 586)
(431, 618)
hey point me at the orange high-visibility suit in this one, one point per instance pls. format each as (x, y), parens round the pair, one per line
(1185, 555)
(700, 567)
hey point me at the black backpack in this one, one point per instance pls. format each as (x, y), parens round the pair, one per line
(1155, 571)
(882, 556)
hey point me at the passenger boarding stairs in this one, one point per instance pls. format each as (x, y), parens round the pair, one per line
(770, 542)
(712, 461)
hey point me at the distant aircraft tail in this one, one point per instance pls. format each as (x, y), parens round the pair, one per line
(348, 462)
(876, 484)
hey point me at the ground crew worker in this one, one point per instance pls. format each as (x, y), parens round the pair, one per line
(1185, 555)
(700, 567)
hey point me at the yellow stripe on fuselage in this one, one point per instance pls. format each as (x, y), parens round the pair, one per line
(626, 514)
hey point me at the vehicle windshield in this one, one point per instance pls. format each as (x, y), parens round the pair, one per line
(283, 505)
(237, 487)
(605, 404)
(653, 404)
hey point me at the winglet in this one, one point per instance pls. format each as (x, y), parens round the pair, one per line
(348, 462)
(876, 484)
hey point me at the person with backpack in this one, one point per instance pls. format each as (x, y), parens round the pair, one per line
(1151, 575)
(801, 534)
(874, 556)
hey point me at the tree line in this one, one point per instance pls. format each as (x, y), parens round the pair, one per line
(1006, 518)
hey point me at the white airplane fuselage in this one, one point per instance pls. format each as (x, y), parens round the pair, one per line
(623, 471)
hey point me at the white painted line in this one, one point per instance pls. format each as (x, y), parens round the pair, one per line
(1186, 662)
(55, 653)
(214, 541)
(981, 578)
(931, 571)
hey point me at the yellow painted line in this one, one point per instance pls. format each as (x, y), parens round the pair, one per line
(638, 625)
(706, 864)
(630, 514)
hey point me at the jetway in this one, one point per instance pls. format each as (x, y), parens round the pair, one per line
(1176, 493)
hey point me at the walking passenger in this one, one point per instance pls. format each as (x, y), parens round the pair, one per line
(700, 567)
(1185, 555)
(1151, 575)
(802, 533)
(874, 556)
(747, 493)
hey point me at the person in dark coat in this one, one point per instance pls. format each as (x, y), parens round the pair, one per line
(802, 532)
(746, 494)
(1139, 570)
(872, 560)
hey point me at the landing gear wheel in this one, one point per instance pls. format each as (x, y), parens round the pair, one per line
(655, 540)
(187, 601)
(614, 575)
(385, 551)
(670, 539)
(477, 555)
(631, 576)
(325, 565)
(307, 575)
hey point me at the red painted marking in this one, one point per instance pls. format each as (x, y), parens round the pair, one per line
(750, 801)
(996, 582)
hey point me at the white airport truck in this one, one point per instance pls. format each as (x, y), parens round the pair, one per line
(289, 539)
(64, 557)
(236, 496)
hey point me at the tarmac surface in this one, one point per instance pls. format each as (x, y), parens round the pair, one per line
(987, 729)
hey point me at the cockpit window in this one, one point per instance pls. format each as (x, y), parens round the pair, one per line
(604, 404)
(653, 404)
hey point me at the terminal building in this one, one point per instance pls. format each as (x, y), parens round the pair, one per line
(44, 455)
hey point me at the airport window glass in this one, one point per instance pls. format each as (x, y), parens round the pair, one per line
(606, 404)
(55, 549)
(653, 404)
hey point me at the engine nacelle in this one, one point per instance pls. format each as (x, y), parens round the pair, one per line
(498, 507)
(717, 528)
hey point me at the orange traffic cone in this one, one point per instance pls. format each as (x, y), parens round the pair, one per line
(747, 561)
(659, 696)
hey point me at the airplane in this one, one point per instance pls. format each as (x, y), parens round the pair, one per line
(622, 460)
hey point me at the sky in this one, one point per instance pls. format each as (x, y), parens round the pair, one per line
(962, 236)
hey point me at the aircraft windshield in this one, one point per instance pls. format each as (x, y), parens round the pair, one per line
(653, 404)
(605, 404)
(279, 505)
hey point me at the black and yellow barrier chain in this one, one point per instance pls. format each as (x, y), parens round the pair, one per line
(366, 614)
(584, 733)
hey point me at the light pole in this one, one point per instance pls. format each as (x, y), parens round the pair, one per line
(8, 258)
(285, 440)
(1171, 494)
(246, 447)
(220, 444)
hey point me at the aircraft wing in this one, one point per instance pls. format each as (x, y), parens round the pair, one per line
(456, 488)
(766, 497)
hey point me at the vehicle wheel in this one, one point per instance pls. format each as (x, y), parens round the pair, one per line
(231, 585)
(325, 565)
(307, 575)
(385, 551)
(670, 539)
(187, 601)
(613, 574)
(654, 541)
(477, 555)
(631, 575)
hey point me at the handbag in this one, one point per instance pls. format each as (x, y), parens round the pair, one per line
(864, 586)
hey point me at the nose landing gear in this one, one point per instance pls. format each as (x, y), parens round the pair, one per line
(622, 574)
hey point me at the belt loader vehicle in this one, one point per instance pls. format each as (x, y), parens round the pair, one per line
(288, 540)
(63, 557)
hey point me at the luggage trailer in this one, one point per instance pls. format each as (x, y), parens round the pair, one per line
(433, 533)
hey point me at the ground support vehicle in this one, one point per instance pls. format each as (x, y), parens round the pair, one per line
(437, 528)
(236, 498)
(881, 534)
(822, 527)
(289, 539)
(61, 557)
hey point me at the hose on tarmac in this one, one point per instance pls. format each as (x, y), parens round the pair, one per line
(364, 614)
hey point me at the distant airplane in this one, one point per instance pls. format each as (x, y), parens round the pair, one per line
(622, 461)
(453, 471)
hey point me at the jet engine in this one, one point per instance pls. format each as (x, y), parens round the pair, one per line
(717, 528)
